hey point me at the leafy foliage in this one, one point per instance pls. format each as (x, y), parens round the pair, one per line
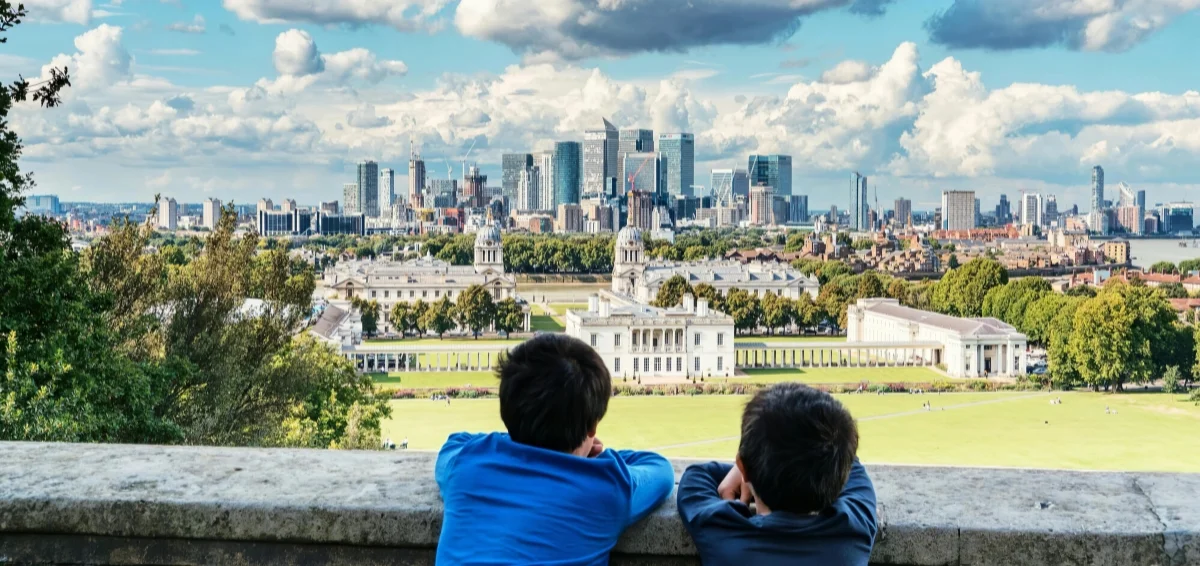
(671, 292)
(1170, 380)
(476, 309)
(961, 291)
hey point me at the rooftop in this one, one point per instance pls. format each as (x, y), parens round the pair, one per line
(964, 326)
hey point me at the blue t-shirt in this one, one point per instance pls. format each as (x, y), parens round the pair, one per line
(727, 533)
(509, 503)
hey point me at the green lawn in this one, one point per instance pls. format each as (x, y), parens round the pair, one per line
(1151, 432)
(436, 380)
(561, 308)
(447, 341)
(786, 338)
(545, 323)
(846, 375)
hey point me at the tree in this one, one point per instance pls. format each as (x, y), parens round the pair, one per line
(744, 308)
(1173, 290)
(961, 291)
(805, 312)
(476, 309)
(401, 315)
(777, 312)
(1102, 333)
(439, 317)
(952, 263)
(843, 239)
(671, 292)
(416, 317)
(1170, 380)
(832, 269)
(370, 314)
(1189, 265)
(1164, 267)
(1086, 291)
(509, 316)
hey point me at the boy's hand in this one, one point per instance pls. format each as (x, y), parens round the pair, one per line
(734, 487)
(597, 448)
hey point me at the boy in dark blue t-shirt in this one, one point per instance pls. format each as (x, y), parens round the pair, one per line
(814, 503)
(547, 492)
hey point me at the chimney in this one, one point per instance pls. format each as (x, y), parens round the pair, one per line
(594, 303)
(689, 302)
(702, 308)
(605, 308)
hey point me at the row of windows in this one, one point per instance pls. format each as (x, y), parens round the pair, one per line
(413, 294)
(595, 340)
(678, 365)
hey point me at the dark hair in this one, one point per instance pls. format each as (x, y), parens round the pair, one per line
(798, 444)
(554, 390)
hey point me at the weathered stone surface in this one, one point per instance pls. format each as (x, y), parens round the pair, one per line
(102, 504)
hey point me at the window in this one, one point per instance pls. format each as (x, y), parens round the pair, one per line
(697, 338)
(720, 338)
(411, 294)
(635, 339)
(424, 293)
(697, 365)
(720, 363)
(593, 340)
(657, 365)
(372, 294)
(679, 363)
(437, 293)
(617, 340)
(646, 365)
(668, 365)
(617, 365)
(635, 365)
(385, 294)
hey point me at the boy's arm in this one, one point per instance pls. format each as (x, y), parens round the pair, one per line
(652, 479)
(447, 455)
(859, 496)
(698, 490)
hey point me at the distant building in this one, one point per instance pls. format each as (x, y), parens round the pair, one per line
(633, 141)
(678, 153)
(349, 199)
(511, 167)
(1031, 209)
(761, 205)
(642, 173)
(1003, 211)
(569, 218)
(265, 204)
(368, 188)
(774, 171)
(529, 190)
(1050, 210)
(288, 205)
(1177, 217)
(600, 160)
(1130, 219)
(330, 207)
(641, 210)
(42, 204)
(1117, 251)
(387, 191)
(568, 177)
(211, 213)
(168, 214)
(958, 210)
(473, 184)
(722, 183)
(903, 213)
(798, 208)
(545, 164)
(858, 202)
(598, 217)
(1097, 188)
(741, 184)
(334, 224)
(416, 179)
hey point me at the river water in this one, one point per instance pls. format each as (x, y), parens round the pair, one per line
(1147, 252)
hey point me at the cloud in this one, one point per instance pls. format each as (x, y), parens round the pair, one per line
(1088, 25)
(196, 26)
(404, 15)
(100, 60)
(364, 117)
(576, 29)
(870, 7)
(296, 54)
(70, 11)
(847, 72)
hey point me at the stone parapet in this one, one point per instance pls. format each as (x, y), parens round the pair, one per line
(135, 505)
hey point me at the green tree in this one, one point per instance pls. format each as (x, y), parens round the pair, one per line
(863, 244)
(1189, 265)
(1173, 290)
(1101, 335)
(369, 309)
(401, 316)
(777, 312)
(716, 301)
(439, 317)
(952, 263)
(806, 313)
(961, 291)
(416, 317)
(509, 316)
(671, 292)
(1086, 291)
(832, 269)
(744, 308)
(1164, 267)
(1170, 380)
(476, 309)
(843, 239)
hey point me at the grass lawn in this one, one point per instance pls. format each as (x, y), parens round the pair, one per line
(1150, 432)
(790, 339)
(436, 380)
(560, 309)
(846, 375)
(447, 341)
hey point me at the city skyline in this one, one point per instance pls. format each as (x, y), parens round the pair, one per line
(916, 104)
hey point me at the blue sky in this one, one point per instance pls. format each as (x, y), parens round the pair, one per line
(241, 99)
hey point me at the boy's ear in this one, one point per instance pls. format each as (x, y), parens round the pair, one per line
(592, 432)
(740, 466)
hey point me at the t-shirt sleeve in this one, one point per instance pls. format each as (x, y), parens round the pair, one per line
(698, 497)
(652, 479)
(447, 455)
(859, 497)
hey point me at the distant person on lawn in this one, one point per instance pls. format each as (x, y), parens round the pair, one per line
(547, 492)
(814, 503)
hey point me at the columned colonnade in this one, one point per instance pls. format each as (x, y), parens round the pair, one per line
(837, 354)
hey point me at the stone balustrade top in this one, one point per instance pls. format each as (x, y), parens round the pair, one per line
(112, 504)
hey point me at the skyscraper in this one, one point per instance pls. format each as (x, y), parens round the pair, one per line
(545, 197)
(679, 163)
(798, 208)
(642, 173)
(1031, 209)
(722, 185)
(168, 214)
(741, 184)
(1003, 211)
(903, 212)
(368, 188)
(599, 159)
(512, 165)
(416, 178)
(349, 199)
(568, 157)
(859, 207)
(211, 213)
(529, 188)
(387, 191)
(762, 201)
(1097, 188)
(472, 188)
(1049, 210)
(958, 210)
(632, 140)
(774, 171)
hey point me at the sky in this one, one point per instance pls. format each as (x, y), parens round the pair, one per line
(245, 99)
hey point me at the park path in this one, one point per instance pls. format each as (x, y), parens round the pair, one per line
(871, 418)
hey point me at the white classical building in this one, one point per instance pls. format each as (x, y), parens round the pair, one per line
(636, 276)
(972, 347)
(639, 341)
(425, 279)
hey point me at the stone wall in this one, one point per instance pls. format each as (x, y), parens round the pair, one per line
(135, 505)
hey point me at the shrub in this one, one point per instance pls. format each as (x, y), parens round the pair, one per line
(979, 385)
(1195, 396)
(1170, 380)
(404, 394)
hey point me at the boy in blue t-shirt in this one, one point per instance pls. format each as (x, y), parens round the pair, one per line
(547, 492)
(797, 461)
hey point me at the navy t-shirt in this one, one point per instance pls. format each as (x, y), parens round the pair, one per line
(509, 503)
(726, 533)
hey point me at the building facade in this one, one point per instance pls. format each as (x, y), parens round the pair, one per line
(473, 187)
(858, 202)
(1097, 188)
(639, 342)
(335, 224)
(529, 190)
(568, 161)
(387, 191)
(679, 163)
(368, 188)
(774, 171)
(971, 347)
(1031, 209)
(904, 213)
(511, 167)
(569, 218)
(600, 159)
(168, 214)
(350, 198)
(958, 210)
(211, 213)
(762, 206)
(416, 179)
(643, 173)
(632, 140)
(43, 204)
(798, 205)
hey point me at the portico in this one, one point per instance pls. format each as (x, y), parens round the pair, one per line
(459, 355)
(808, 354)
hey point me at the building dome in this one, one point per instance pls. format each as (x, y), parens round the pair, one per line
(630, 235)
(487, 236)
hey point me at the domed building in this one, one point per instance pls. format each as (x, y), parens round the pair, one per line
(425, 279)
(638, 277)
